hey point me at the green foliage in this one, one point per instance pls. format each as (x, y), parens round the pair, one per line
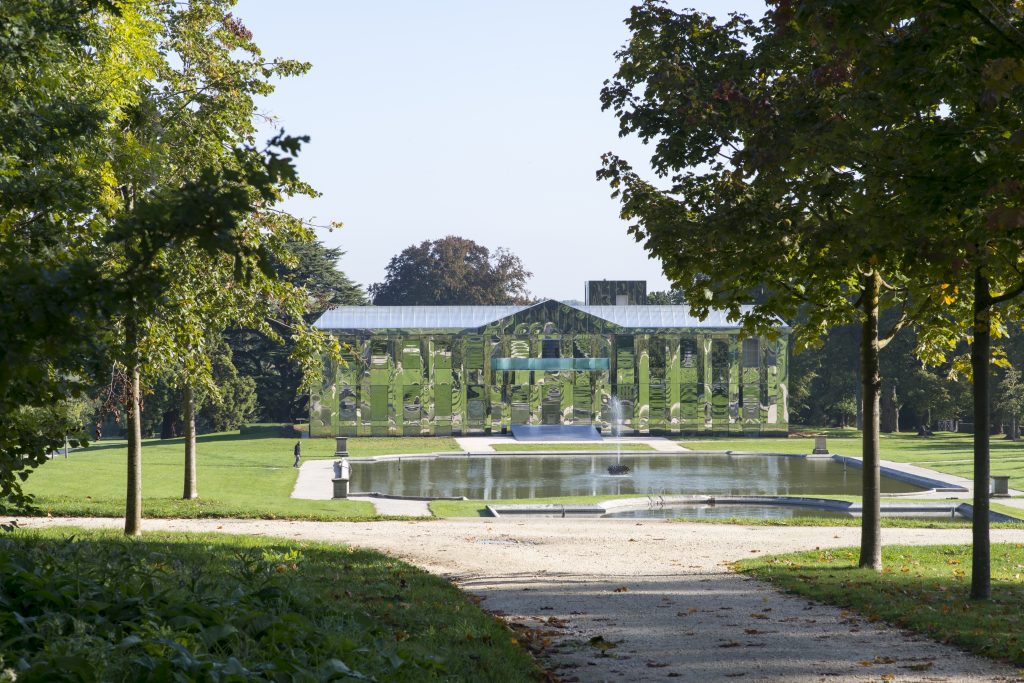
(235, 401)
(312, 268)
(88, 606)
(923, 588)
(1010, 399)
(452, 270)
(58, 105)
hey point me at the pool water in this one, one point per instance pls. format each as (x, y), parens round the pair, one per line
(532, 476)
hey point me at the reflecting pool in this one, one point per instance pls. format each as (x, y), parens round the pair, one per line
(532, 476)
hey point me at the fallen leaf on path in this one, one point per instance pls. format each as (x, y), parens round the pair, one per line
(621, 589)
(731, 643)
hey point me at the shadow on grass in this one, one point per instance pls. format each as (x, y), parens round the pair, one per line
(925, 589)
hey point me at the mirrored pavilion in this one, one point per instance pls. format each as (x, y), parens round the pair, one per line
(462, 370)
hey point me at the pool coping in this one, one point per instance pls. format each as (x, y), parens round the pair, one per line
(595, 510)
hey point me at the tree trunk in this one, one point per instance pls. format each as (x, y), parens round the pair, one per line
(889, 420)
(981, 576)
(133, 499)
(871, 376)
(895, 410)
(188, 409)
(170, 427)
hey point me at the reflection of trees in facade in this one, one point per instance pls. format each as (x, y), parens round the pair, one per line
(412, 371)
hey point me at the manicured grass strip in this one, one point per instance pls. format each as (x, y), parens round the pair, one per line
(922, 588)
(887, 522)
(610, 446)
(86, 605)
(478, 508)
(238, 476)
(943, 452)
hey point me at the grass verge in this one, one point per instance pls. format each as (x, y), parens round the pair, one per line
(93, 605)
(608, 447)
(922, 588)
(239, 476)
(944, 452)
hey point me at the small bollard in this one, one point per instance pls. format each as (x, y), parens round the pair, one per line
(341, 478)
(820, 447)
(1000, 487)
(341, 446)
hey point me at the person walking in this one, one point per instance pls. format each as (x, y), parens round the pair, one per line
(298, 453)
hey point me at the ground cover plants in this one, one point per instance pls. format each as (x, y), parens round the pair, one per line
(923, 588)
(92, 605)
(238, 476)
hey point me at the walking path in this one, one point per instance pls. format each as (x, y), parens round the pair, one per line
(485, 444)
(622, 600)
(315, 483)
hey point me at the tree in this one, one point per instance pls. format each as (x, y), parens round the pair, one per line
(313, 268)
(952, 74)
(1010, 400)
(768, 183)
(199, 120)
(453, 271)
(69, 71)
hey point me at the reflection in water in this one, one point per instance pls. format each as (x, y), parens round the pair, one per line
(523, 476)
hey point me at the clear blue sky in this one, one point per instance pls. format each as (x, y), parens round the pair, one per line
(472, 117)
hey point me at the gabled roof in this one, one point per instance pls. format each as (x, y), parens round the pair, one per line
(468, 317)
(412, 317)
(659, 316)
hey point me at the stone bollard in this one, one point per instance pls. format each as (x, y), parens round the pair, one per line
(341, 478)
(820, 447)
(341, 446)
(1000, 487)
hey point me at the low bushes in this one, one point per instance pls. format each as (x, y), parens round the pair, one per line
(91, 606)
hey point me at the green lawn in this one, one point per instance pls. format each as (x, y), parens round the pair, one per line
(608, 446)
(925, 589)
(93, 605)
(944, 452)
(238, 476)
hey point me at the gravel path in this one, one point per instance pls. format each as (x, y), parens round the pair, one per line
(656, 591)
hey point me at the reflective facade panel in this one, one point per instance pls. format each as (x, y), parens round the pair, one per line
(410, 371)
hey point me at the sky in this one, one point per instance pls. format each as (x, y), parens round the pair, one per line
(461, 117)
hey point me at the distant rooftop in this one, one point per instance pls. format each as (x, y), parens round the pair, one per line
(465, 317)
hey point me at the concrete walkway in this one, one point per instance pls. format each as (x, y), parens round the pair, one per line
(485, 444)
(314, 483)
(314, 480)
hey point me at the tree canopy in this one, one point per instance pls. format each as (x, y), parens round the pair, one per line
(452, 270)
(137, 209)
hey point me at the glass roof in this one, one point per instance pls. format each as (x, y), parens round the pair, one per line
(411, 317)
(464, 317)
